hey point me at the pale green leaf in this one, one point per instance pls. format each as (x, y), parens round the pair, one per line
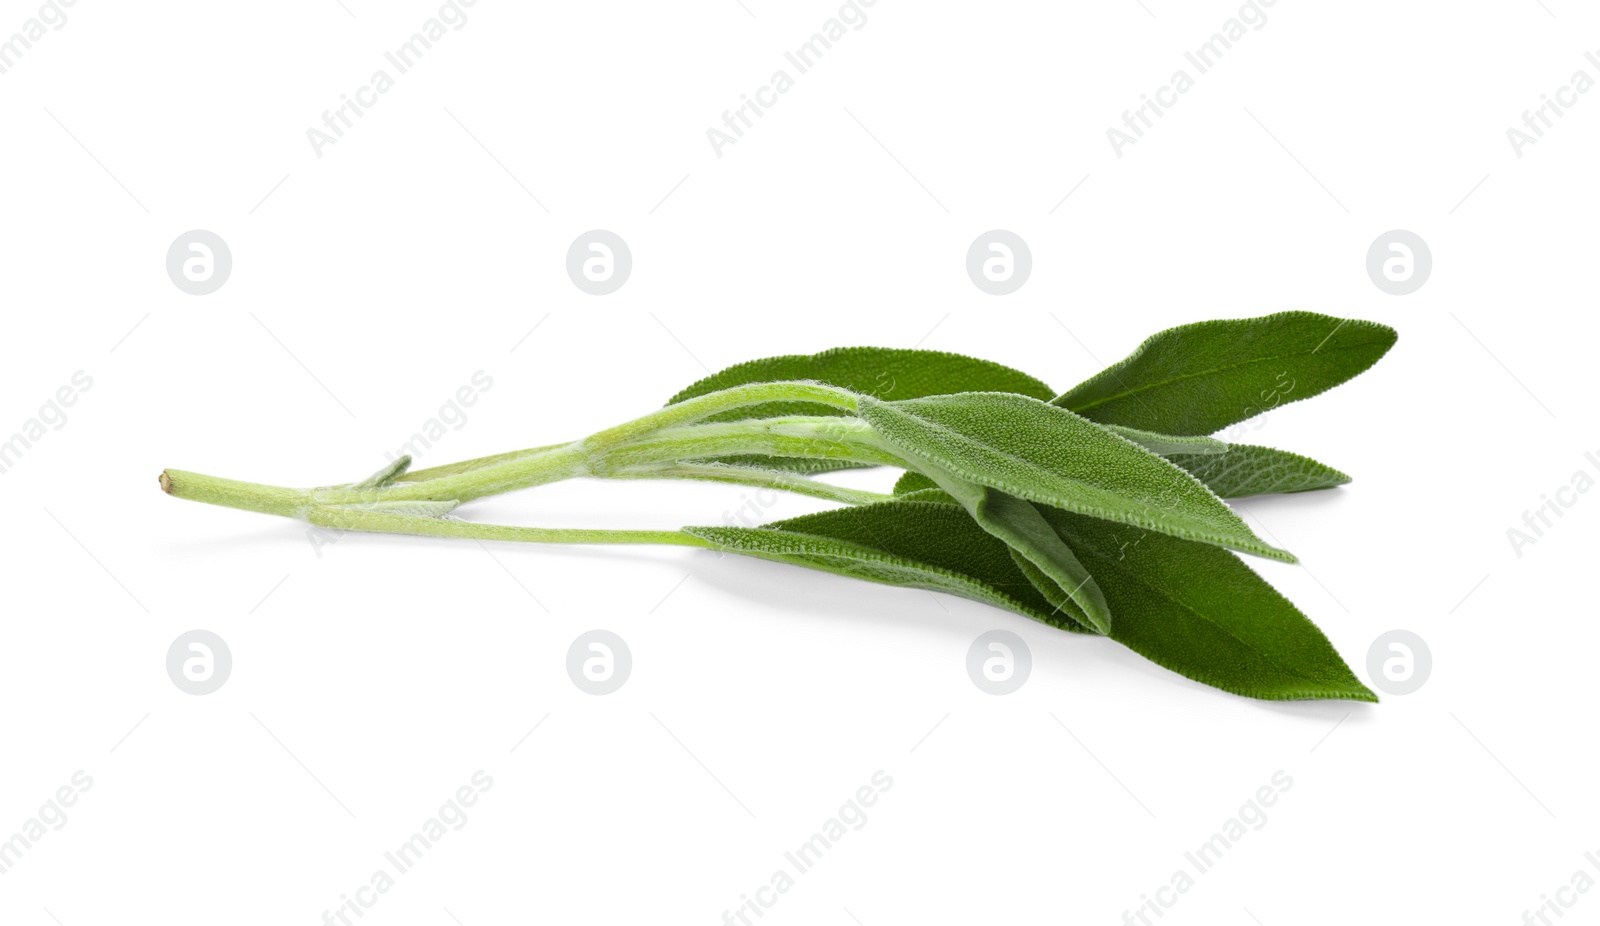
(1041, 453)
(1020, 525)
(885, 372)
(386, 476)
(1167, 444)
(929, 545)
(1247, 469)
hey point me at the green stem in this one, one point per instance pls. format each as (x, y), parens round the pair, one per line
(354, 519)
(822, 438)
(517, 472)
(451, 469)
(656, 445)
(249, 496)
(301, 504)
(715, 403)
(756, 477)
(681, 413)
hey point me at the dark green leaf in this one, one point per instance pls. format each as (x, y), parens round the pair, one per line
(1193, 608)
(1201, 612)
(1041, 453)
(1197, 379)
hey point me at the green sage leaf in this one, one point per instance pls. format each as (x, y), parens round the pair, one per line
(1247, 469)
(1167, 444)
(1052, 591)
(1201, 612)
(1034, 542)
(1045, 454)
(386, 476)
(885, 372)
(1045, 560)
(1244, 470)
(1197, 610)
(930, 545)
(912, 481)
(1197, 379)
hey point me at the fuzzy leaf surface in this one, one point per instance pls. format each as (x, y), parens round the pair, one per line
(1054, 593)
(1199, 378)
(885, 372)
(1200, 611)
(933, 545)
(1045, 559)
(882, 371)
(892, 373)
(1168, 444)
(912, 481)
(1045, 454)
(1197, 610)
(1244, 470)
(1247, 469)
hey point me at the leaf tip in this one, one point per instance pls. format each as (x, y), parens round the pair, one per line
(1269, 551)
(1351, 688)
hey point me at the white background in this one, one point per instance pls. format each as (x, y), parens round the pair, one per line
(370, 283)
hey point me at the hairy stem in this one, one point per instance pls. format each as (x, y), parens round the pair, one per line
(756, 477)
(518, 472)
(354, 519)
(668, 443)
(686, 412)
(451, 469)
(820, 438)
(700, 408)
(249, 496)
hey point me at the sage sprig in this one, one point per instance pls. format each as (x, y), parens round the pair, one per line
(1098, 510)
